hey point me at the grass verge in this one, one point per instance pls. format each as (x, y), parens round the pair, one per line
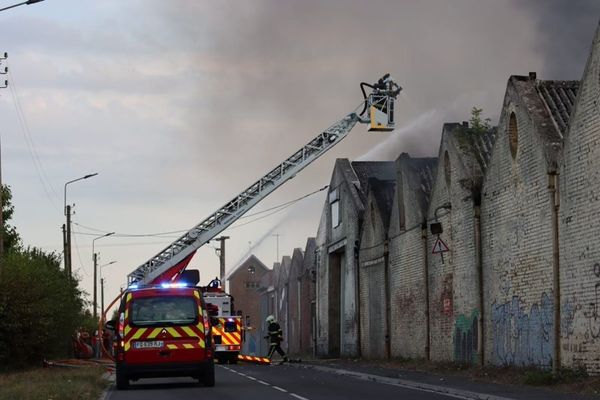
(81, 383)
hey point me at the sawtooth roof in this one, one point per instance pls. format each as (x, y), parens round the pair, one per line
(382, 192)
(382, 170)
(419, 176)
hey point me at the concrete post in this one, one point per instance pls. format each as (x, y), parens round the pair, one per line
(95, 313)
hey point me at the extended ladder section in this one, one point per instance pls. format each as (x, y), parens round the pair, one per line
(173, 259)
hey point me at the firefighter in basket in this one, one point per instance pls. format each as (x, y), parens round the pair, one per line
(275, 338)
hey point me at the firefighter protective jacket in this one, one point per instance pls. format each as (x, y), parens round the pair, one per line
(275, 333)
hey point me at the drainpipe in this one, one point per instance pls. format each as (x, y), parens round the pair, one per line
(555, 205)
(479, 267)
(357, 297)
(426, 276)
(388, 308)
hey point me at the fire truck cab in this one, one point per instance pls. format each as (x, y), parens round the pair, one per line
(163, 330)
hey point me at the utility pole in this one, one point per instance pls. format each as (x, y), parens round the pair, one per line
(68, 241)
(222, 239)
(277, 236)
(95, 286)
(1, 187)
(67, 234)
(95, 258)
(101, 296)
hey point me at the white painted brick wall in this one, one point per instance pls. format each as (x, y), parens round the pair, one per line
(579, 228)
(517, 247)
(407, 282)
(453, 284)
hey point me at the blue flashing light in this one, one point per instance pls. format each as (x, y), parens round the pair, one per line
(134, 286)
(173, 285)
(230, 319)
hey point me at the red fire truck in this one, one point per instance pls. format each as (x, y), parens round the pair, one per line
(226, 324)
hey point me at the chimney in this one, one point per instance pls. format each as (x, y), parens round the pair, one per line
(465, 124)
(532, 76)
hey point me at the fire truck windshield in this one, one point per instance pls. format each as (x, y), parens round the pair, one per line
(163, 310)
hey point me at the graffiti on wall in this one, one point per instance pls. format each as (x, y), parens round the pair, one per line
(580, 319)
(465, 338)
(523, 338)
(447, 296)
(593, 312)
(567, 317)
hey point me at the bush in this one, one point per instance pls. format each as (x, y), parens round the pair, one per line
(40, 308)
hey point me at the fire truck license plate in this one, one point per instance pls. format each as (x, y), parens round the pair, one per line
(148, 345)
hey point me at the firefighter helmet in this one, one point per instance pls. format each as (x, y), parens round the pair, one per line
(270, 319)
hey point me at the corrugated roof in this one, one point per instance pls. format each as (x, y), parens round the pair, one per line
(559, 98)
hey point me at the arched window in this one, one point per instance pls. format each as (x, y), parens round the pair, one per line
(513, 134)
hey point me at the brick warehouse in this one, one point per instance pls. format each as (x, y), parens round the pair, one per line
(520, 283)
(243, 283)
(517, 223)
(373, 270)
(408, 257)
(579, 185)
(454, 277)
(338, 240)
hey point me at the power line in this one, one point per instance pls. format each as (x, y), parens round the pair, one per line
(79, 256)
(129, 236)
(274, 209)
(30, 143)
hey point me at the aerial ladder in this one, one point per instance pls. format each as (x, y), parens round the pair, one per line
(170, 262)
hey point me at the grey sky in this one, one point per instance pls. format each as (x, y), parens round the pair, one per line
(180, 104)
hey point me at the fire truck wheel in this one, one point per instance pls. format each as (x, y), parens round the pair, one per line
(121, 378)
(208, 375)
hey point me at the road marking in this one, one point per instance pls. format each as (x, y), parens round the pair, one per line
(264, 383)
(298, 397)
(413, 385)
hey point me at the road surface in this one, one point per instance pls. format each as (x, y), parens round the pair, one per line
(276, 382)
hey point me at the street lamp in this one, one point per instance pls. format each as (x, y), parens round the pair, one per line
(67, 227)
(95, 258)
(102, 287)
(28, 2)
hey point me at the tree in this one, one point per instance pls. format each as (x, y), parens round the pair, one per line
(478, 125)
(41, 305)
(10, 237)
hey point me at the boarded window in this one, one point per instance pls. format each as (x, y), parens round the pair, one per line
(447, 169)
(513, 134)
(334, 203)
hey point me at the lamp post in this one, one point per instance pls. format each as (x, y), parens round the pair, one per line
(28, 2)
(95, 258)
(66, 228)
(102, 287)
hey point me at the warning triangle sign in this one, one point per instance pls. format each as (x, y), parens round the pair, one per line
(440, 246)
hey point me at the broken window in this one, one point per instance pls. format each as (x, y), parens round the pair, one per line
(513, 134)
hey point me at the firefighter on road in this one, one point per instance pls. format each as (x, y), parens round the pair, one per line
(275, 337)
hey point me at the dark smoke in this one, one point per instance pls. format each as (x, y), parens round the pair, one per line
(565, 29)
